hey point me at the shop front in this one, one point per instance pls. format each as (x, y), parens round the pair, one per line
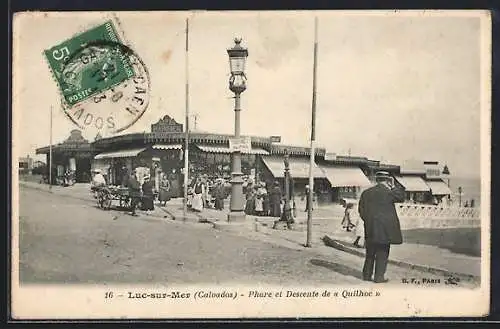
(439, 190)
(273, 169)
(216, 161)
(416, 190)
(115, 164)
(345, 182)
(167, 159)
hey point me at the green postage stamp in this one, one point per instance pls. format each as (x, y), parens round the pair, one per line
(83, 67)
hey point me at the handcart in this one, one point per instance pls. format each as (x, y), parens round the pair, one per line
(108, 194)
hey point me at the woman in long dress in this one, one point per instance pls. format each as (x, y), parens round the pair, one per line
(346, 221)
(164, 190)
(250, 200)
(175, 187)
(259, 200)
(206, 190)
(198, 192)
(359, 229)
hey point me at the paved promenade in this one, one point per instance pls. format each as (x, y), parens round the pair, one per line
(327, 238)
(327, 227)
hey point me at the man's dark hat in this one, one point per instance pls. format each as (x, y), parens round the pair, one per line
(382, 175)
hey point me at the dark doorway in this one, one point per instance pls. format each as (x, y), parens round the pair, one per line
(83, 170)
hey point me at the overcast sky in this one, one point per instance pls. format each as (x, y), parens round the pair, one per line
(391, 86)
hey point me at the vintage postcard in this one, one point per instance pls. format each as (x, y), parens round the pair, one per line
(287, 164)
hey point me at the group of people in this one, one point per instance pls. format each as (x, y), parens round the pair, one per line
(263, 199)
(143, 193)
(205, 193)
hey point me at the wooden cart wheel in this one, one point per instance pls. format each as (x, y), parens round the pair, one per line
(100, 199)
(125, 202)
(107, 202)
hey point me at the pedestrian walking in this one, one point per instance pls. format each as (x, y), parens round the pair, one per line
(259, 199)
(147, 194)
(275, 200)
(164, 193)
(198, 192)
(134, 188)
(346, 221)
(250, 199)
(259, 204)
(206, 188)
(381, 224)
(359, 229)
(219, 194)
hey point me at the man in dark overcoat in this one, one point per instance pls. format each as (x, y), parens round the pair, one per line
(381, 223)
(125, 177)
(275, 197)
(219, 193)
(134, 188)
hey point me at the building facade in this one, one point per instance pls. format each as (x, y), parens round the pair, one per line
(162, 150)
(74, 154)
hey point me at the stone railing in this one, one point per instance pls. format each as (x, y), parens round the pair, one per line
(429, 216)
(430, 211)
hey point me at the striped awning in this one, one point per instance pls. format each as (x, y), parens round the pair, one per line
(120, 154)
(167, 147)
(345, 176)
(222, 149)
(438, 187)
(413, 183)
(299, 167)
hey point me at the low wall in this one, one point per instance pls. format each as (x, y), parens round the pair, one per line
(30, 178)
(428, 216)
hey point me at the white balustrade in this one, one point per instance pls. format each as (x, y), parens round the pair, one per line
(430, 216)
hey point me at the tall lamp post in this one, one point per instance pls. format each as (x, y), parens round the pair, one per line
(237, 84)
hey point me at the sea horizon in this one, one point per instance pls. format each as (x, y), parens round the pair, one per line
(471, 188)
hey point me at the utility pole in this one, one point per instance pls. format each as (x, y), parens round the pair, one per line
(186, 136)
(313, 137)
